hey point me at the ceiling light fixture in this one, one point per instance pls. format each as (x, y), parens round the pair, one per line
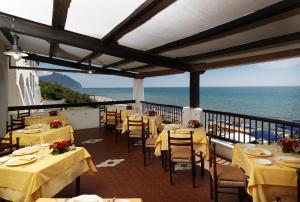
(15, 50)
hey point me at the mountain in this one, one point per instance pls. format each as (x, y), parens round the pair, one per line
(62, 80)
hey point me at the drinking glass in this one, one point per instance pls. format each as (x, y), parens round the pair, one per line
(275, 146)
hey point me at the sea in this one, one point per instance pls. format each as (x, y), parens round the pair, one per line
(271, 102)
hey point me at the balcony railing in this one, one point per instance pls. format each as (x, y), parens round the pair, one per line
(170, 113)
(227, 126)
(234, 127)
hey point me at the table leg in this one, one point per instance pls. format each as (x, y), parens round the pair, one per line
(78, 186)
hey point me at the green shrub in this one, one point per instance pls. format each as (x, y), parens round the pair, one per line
(54, 91)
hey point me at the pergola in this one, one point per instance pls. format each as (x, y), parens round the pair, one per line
(140, 39)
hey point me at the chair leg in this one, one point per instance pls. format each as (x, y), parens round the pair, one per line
(128, 143)
(144, 154)
(215, 190)
(211, 188)
(202, 164)
(171, 172)
(162, 159)
(193, 173)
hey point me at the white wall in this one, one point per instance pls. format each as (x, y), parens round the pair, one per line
(3, 90)
(23, 85)
(83, 118)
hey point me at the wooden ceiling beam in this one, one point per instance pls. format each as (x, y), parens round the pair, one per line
(139, 16)
(75, 65)
(138, 68)
(7, 35)
(247, 60)
(48, 33)
(244, 47)
(158, 73)
(59, 17)
(247, 21)
(47, 69)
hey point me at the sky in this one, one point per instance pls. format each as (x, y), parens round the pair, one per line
(276, 73)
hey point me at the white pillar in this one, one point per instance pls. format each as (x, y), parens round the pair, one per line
(3, 90)
(138, 93)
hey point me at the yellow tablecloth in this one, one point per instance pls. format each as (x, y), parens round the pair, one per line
(266, 182)
(49, 135)
(30, 120)
(199, 139)
(30, 182)
(104, 200)
(154, 121)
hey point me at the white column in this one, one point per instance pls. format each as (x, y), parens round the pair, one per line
(138, 93)
(3, 90)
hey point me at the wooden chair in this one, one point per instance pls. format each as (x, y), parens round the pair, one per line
(181, 151)
(224, 176)
(119, 124)
(148, 142)
(110, 120)
(7, 146)
(14, 124)
(23, 114)
(136, 130)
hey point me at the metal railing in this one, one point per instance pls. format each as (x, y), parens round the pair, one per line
(234, 127)
(170, 113)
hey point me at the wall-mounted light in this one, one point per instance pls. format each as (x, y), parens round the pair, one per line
(15, 50)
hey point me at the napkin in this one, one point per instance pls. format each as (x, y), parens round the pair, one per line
(256, 152)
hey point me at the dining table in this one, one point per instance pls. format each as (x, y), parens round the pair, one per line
(154, 122)
(104, 199)
(44, 134)
(200, 140)
(46, 176)
(45, 118)
(268, 177)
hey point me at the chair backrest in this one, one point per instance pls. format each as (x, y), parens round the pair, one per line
(212, 158)
(111, 114)
(8, 148)
(184, 141)
(14, 124)
(23, 114)
(119, 116)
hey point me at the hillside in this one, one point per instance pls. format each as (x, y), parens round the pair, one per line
(62, 80)
(54, 91)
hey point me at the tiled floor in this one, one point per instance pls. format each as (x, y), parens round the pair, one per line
(127, 177)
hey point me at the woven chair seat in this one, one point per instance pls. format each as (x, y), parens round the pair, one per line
(230, 176)
(110, 122)
(119, 126)
(150, 142)
(136, 133)
(181, 154)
